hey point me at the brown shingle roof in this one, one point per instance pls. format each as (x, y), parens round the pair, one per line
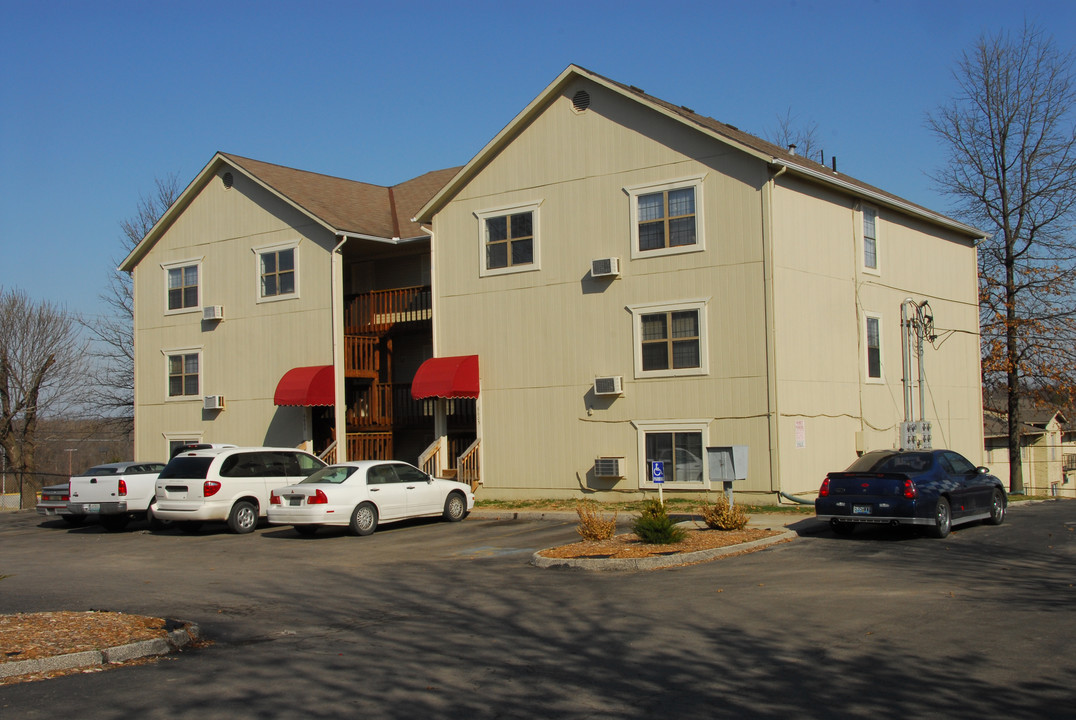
(349, 206)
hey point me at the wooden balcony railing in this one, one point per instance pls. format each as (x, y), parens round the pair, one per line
(369, 446)
(467, 467)
(376, 312)
(361, 356)
(372, 407)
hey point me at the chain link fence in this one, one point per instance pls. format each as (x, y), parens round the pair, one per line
(21, 492)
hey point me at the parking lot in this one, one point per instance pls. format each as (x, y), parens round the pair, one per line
(449, 620)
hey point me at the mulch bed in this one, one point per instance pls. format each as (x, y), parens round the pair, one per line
(629, 546)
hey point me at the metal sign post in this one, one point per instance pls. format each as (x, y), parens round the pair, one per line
(657, 476)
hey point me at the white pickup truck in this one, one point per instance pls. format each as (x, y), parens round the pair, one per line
(115, 493)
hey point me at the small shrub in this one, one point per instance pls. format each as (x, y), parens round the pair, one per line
(592, 525)
(654, 525)
(719, 515)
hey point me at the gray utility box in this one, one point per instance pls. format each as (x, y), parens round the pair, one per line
(727, 463)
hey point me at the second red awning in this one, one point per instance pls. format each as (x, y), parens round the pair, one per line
(448, 377)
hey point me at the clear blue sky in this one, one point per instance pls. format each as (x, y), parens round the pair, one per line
(97, 99)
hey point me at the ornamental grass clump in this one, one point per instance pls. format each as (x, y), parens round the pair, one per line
(592, 524)
(720, 515)
(654, 525)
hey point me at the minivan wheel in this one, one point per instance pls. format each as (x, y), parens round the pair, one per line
(243, 518)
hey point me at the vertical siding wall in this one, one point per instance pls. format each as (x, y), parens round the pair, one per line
(543, 336)
(822, 297)
(245, 355)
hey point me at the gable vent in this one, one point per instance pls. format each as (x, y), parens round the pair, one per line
(581, 101)
(227, 179)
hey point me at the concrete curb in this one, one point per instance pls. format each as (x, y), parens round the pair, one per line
(657, 561)
(173, 641)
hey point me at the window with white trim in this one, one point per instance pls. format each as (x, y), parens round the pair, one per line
(184, 374)
(278, 272)
(680, 447)
(874, 347)
(870, 239)
(666, 217)
(182, 283)
(509, 239)
(670, 339)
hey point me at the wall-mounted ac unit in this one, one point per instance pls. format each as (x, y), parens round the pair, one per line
(605, 267)
(213, 312)
(213, 402)
(609, 385)
(608, 467)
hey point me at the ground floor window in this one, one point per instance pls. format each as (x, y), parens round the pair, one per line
(681, 450)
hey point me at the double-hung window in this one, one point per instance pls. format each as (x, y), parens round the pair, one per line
(182, 280)
(666, 217)
(184, 373)
(278, 272)
(509, 239)
(670, 339)
(870, 239)
(874, 347)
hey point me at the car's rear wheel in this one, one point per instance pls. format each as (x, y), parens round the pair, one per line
(155, 523)
(306, 529)
(842, 527)
(997, 509)
(363, 520)
(243, 518)
(455, 507)
(943, 519)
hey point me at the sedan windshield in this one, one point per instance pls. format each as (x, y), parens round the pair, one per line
(102, 471)
(334, 474)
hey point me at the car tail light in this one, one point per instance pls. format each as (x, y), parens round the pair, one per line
(274, 499)
(909, 490)
(210, 488)
(318, 498)
(122, 488)
(824, 490)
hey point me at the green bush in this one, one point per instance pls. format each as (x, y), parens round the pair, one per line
(592, 526)
(719, 515)
(654, 526)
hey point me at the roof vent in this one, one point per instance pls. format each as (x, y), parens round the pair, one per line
(792, 148)
(227, 179)
(581, 101)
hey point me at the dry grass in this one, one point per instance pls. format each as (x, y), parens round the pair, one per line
(719, 515)
(592, 524)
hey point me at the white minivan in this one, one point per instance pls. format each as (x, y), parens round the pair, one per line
(228, 484)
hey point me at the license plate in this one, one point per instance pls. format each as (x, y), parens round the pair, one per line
(295, 501)
(92, 508)
(861, 509)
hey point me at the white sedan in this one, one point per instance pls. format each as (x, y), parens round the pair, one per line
(365, 493)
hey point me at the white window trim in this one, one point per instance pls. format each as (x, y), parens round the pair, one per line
(637, 312)
(877, 240)
(881, 349)
(201, 373)
(536, 225)
(634, 191)
(642, 427)
(201, 285)
(277, 247)
(184, 437)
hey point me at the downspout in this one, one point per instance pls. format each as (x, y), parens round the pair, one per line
(772, 414)
(336, 290)
(440, 415)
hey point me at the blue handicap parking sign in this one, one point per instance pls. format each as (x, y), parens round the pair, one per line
(657, 471)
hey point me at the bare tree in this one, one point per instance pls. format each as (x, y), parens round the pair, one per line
(112, 349)
(1011, 168)
(42, 372)
(805, 136)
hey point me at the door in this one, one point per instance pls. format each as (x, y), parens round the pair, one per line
(387, 492)
(968, 498)
(423, 496)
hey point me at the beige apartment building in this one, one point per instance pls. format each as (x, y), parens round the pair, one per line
(611, 286)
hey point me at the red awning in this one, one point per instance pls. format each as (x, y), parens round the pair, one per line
(306, 386)
(449, 377)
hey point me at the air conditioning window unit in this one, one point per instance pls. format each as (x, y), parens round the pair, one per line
(608, 467)
(610, 385)
(213, 402)
(213, 312)
(605, 267)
